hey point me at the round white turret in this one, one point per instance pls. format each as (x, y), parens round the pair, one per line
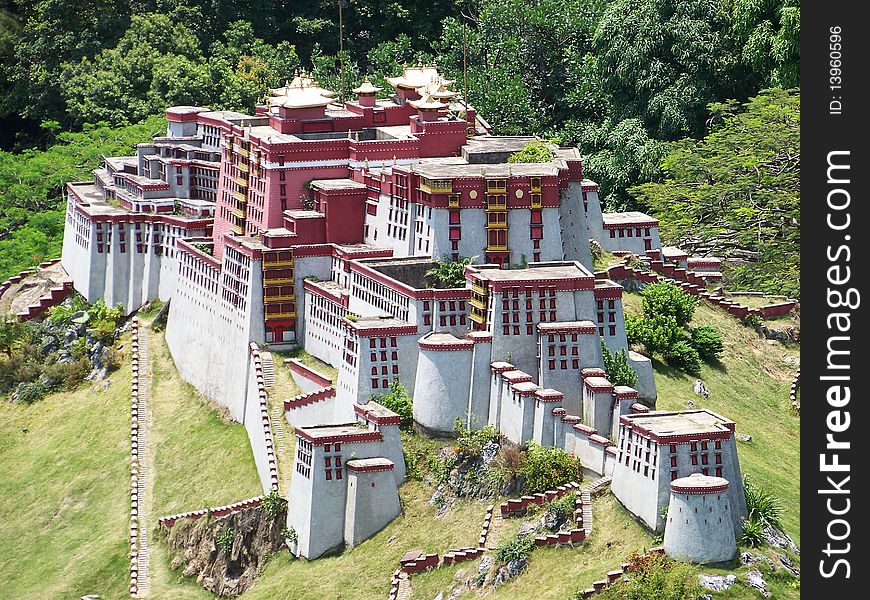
(443, 381)
(699, 528)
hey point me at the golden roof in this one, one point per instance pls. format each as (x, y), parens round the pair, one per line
(366, 87)
(302, 92)
(416, 77)
(427, 102)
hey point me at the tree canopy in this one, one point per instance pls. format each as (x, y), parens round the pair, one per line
(738, 189)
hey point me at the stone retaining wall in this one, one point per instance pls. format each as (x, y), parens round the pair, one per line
(305, 377)
(218, 511)
(134, 459)
(517, 506)
(691, 284)
(258, 424)
(54, 297)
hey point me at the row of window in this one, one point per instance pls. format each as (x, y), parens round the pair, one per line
(629, 232)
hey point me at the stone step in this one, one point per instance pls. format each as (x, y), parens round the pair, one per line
(268, 363)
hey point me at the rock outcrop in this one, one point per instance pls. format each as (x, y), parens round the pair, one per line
(224, 563)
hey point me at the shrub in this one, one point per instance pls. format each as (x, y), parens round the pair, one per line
(32, 392)
(563, 508)
(273, 504)
(450, 273)
(112, 358)
(763, 507)
(535, 151)
(707, 341)
(654, 576)
(509, 462)
(397, 400)
(655, 333)
(11, 330)
(224, 541)
(682, 356)
(68, 374)
(545, 467)
(470, 443)
(665, 299)
(753, 533)
(617, 368)
(17, 369)
(290, 535)
(517, 547)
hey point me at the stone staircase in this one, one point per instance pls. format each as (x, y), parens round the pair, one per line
(268, 369)
(285, 462)
(586, 493)
(144, 552)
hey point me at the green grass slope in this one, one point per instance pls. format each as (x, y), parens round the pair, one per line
(64, 506)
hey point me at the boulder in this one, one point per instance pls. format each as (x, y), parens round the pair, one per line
(717, 583)
(755, 580)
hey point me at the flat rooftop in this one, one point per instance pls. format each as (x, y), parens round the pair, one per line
(437, 169)
(337, 184)
(673, 251)
(442, 338)
(535, 272)
(340, 432)
(378, 322)
(627, 218)
(671, 423)
(409, 270)
(375, 409)
(606, 283)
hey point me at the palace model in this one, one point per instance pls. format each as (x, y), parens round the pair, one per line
(313, 224)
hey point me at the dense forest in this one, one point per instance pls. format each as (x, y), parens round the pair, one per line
(636, 84)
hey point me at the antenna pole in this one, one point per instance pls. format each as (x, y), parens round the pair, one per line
(341, 47)
(464, 61)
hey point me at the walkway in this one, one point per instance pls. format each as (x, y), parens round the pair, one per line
(144, 464)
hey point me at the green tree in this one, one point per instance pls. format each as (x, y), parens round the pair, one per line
(738, 190)
(707, 341)
(31, 183)
(657, 333)
(450, 273)
(397, 400)
(10, 332)
(667, 300)
(684, 357)
(157, 62)
(663, 61)
(533, 152)
(617, 156)
(769, 31)
(617, 368)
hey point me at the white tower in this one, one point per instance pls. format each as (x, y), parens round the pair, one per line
(699, 528)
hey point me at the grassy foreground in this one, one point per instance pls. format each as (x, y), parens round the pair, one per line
(64, 518)
(64, 509)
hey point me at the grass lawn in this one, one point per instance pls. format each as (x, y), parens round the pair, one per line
(201, 458)
(364, 572)
(556, 573)
(65, 508)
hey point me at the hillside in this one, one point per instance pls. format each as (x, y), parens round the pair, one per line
(68, 476)
(735, 194)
